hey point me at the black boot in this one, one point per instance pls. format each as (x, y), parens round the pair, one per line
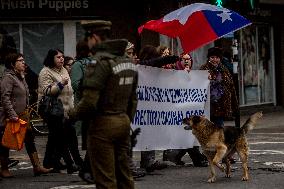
(198, 159)
(179, 156)
(174, 155)
(85, 173)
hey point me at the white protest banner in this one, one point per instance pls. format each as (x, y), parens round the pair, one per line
(165, 97)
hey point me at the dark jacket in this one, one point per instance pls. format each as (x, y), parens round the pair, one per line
(227, 105)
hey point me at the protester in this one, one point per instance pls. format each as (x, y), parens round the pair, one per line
(176, 155)
(109, 101)
(163, 50)
(14, 104)
(54, 80)
(83, 57)
(149, 56)
(223, 99)
(146, 56)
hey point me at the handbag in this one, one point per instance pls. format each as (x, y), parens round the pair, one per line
(50, 107)
(14, 134)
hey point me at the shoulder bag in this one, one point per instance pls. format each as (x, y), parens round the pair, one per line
(50, 106)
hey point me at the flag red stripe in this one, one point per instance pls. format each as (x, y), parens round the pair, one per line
(197, 31)
(171, 29)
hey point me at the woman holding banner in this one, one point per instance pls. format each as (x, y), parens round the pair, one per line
(176, 155)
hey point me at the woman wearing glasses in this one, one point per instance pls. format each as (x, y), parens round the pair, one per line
(14, 102)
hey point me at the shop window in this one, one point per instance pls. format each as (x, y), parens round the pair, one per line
(38, 39)
(10, 38)
(256, 65)
(80, 32)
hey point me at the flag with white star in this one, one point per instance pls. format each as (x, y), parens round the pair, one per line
(197, 24)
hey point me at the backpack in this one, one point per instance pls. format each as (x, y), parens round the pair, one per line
(83, 64)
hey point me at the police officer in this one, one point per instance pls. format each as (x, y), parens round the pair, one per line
(109, 101)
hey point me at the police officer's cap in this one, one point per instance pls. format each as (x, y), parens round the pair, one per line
(91, 26)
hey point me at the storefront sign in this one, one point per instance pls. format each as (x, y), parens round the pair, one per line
(21, 9)
(44, 4)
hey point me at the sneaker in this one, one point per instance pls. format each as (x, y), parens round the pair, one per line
(12, 162)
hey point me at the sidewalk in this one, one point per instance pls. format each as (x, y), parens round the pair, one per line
(269, 119)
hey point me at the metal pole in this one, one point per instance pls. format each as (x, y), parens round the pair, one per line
(236, 80)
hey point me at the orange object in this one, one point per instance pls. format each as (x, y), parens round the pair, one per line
(14, 134)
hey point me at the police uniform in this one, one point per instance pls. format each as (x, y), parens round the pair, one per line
(109, 101)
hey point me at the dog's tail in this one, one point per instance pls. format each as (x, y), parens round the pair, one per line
(251, 122)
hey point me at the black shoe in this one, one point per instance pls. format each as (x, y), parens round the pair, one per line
(72, 168)
(179, 162)
(156, 166)
(87, 177)
(12, 163)
(201, 163)
(138, 172)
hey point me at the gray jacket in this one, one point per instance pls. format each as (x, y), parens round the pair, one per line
(14, 95)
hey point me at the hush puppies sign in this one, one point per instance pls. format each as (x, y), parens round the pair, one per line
(61, 5)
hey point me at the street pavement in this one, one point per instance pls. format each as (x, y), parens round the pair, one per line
(266, 166)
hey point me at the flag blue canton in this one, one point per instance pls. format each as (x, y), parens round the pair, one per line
(223, 22)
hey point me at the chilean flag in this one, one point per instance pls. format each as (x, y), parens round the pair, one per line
(197, 24)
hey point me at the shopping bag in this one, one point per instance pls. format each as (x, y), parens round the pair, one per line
(14, 134)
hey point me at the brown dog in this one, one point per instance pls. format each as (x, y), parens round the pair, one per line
(221, 143)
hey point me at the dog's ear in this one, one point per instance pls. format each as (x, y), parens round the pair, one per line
(196, 119)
